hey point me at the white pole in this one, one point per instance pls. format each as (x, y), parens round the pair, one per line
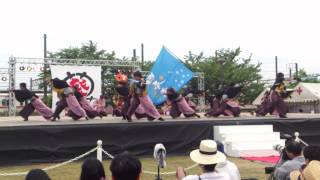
(99, 150)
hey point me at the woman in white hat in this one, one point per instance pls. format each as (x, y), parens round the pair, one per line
(207, 156)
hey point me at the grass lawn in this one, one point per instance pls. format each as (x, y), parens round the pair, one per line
(72, 171)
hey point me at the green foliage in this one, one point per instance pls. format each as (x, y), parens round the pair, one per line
(48, 100)
(86, 51)
(307, 78)
(227, 67)
(147, 65)
(304, 77)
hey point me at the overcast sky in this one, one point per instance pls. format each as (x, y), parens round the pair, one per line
(264, 28)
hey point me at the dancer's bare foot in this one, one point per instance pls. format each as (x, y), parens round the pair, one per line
(197, 115)
(161, 119)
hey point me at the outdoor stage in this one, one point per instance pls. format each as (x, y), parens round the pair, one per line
(44, 141)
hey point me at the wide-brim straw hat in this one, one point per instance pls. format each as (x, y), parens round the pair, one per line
(207, 153)
(294, 175)
(311, 172)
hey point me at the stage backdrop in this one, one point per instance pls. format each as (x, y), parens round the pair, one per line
(88, 79)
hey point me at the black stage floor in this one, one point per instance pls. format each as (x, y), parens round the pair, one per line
(41, 141)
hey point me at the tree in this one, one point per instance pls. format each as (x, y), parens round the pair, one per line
(307, 78)
(148, 65)
(227, 67)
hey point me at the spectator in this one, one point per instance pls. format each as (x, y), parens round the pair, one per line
(37, 174)
(207, 156)
(125, 167)
(293, 150)
(227, 166)
(92, 169)
(311, 153)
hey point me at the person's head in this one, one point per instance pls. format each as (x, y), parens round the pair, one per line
(23, 86)
(121, 78)
(170, 91)
(280, 76)
(92, 169)
(50, 81)
(137, 75)
(293, 148)
(37, 174)
(125, 167)
(207, 156)
(311, 153)
(76, 86)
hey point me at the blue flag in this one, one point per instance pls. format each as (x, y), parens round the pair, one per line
(168, 71)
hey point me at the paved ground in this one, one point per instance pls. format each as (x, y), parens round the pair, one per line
(38, 120)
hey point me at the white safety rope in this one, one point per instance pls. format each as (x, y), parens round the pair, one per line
(86, 154)
(53, 166)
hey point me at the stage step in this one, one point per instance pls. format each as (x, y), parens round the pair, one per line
(239, 139)
(248, 137)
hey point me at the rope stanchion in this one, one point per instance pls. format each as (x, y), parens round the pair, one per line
(99, 150)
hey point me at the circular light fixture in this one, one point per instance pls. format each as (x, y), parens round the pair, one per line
(22, 68)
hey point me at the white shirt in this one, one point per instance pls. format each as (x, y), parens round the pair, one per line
(209, 176)
(229, 168)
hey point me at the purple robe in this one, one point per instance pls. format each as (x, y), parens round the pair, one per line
(100, 106)
(149, 108)
(39, 106)
(181, 106)
(227, 107)
(146, 104)
(90, 111)
(263, 108)
(74, 106)
(42, 108)
(140, 113)
(214, 107)
(277, 105)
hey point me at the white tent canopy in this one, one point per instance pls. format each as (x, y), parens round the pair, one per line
(305, 92)
(302, 93)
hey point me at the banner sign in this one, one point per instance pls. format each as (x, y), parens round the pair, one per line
(86, 78)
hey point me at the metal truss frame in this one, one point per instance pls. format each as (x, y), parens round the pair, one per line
(201, 99)
(53, 61)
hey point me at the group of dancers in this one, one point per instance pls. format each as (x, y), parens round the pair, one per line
(77, 106)
(133, 100)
